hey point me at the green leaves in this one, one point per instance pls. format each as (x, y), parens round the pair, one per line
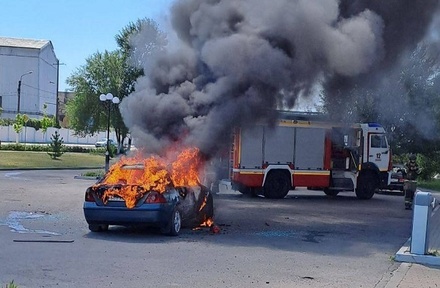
(110, 72)
(20, 121)
(56, 146)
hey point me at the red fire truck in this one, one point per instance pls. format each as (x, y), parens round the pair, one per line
(306, 150)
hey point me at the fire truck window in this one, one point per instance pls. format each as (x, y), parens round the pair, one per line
(378, 141)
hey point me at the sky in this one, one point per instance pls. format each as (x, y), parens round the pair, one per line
(76, 28)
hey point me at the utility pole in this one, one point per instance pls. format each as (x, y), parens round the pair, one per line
(57, 114)
(19, 90)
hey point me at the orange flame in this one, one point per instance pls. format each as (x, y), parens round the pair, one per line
(154, 173)
(185, 171)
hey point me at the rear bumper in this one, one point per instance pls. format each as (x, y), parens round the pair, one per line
(148, 214)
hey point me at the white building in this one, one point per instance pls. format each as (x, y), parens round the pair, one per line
(28, 77)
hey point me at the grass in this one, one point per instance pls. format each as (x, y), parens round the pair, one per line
(30, 160)
(95, 173)
(11, 285)
(433, 184)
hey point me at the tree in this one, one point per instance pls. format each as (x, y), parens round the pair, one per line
(19, 124)
(56, 146)
(46, 121)
(136, 46)
(106, 72)
(406, 101)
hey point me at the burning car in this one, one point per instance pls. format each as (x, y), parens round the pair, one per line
(148, 194)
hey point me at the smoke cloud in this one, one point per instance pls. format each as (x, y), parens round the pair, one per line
(234, 61)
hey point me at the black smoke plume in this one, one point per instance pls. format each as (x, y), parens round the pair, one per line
(234, 61)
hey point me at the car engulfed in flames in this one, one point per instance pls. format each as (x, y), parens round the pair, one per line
(151, 192)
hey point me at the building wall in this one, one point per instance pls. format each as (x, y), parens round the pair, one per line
(14, 62)
(63, 98)
(47, 84)
(36, 89)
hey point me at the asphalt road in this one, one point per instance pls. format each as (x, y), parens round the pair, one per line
(305, 240)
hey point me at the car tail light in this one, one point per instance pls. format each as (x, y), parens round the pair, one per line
(89, 196)
(155, 198)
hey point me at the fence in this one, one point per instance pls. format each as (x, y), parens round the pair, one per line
(30, 135)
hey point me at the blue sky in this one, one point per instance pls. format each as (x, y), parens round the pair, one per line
(77, 28)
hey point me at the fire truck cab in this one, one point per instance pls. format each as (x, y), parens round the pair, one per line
(305, 150)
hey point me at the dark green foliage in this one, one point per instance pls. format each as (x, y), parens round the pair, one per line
(11, 285)
(405, 101)
(15, 147)
(47, 148)
(56, 146)
(112, 72)
(6, 122)
(34, 123)
(429, 165)
(77, 149)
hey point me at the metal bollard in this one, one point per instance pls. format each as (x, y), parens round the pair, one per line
(421, 218)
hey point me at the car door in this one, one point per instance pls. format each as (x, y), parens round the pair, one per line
(187, 202)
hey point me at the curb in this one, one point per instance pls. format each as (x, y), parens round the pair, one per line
(398, 275)
(404, 255)
(87, 177)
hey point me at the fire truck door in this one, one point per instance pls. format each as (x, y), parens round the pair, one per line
(378, 151)
(252, 148)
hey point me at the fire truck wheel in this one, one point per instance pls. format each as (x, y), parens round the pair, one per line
(367, 185)
(249, 191)
(98, 227)
(277, 185)
(174, 224)
(331, 192)
(255, 192)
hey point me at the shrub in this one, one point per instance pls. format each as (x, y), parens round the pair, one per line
(11, 285)
(56, 147)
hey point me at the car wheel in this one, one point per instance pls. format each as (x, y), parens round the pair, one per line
(98, 227)
(174, 223)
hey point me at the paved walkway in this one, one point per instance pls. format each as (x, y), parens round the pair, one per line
(420, 271)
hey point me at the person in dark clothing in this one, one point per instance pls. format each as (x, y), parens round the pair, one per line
(410, 185)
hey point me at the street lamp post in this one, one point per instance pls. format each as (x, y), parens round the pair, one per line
(114, 100)
(19, 90)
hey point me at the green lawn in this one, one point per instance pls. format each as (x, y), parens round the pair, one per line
(69, 160)
(433, 184)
